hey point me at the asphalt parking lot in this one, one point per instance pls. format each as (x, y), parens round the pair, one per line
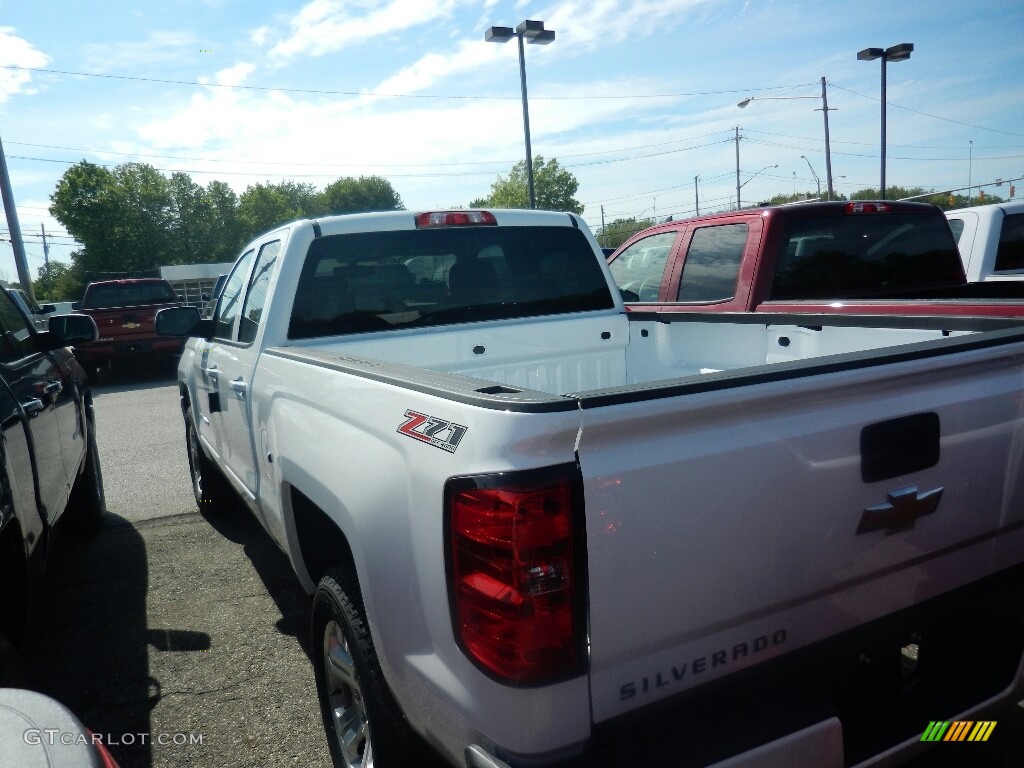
(182, 637)
(178, 637)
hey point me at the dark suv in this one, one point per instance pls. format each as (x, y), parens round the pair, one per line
(49, 466)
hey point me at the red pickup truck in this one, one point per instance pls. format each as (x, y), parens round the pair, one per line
(124, 311)
(826, 257)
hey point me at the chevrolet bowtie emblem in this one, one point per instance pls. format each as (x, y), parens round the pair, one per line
(900, 512)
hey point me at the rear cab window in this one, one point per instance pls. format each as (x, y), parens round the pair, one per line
(860, 255)
(369, 281)
(1010, 255)
(128, 295)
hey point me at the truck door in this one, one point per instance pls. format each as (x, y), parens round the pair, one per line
(208, 394)
(234, 355)
(36, 381)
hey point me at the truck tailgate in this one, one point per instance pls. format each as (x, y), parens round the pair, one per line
(125, 324)
(729, 522)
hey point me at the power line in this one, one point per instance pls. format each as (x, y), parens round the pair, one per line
(329, 92)
(928, 114)
(390, 175)
(346, 165)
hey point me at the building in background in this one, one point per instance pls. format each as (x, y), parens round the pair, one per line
(194, 281)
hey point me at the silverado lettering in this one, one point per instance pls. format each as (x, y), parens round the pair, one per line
(701, 664)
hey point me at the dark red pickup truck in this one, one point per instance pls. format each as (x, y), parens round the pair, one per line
(124, 311)
(835, 257)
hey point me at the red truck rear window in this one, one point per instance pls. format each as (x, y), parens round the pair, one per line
(851, 256)
(128, 295)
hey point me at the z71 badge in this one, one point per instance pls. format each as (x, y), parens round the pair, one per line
(430, 429)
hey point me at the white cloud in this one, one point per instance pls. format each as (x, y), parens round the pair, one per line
(159, 47)
(592, 23)
(17, 52)
(424, 73)
(326, 26)
(235, 75)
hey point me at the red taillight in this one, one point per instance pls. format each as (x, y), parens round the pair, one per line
(867, 208)
(455, 219)
(513, 579)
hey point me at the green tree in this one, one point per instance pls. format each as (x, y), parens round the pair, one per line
(264, 206)
(367, 193)
(122, 217)
(619, 231)
(553, 186)
(227, 234)
(56, 282)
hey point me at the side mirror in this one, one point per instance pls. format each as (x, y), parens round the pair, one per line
(47, 309)
(68, 331)
(75, 306)
(181, 322)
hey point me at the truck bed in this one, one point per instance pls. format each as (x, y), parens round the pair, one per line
(675, 413)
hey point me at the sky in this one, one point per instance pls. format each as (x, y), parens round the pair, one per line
(635, 99)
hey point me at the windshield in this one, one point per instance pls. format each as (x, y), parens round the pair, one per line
(378, 280)
(853, 255)
(127, 295)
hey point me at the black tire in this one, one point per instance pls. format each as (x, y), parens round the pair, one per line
(208, 484)
(364, 725)
(87, 505)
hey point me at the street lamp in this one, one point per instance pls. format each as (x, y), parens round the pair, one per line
(899, 52)
(534, 33)
(813, 174)
(825, 109)
(741, 186)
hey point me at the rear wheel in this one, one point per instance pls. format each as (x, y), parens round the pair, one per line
(208, 484)
(88, 503)
(364, 725)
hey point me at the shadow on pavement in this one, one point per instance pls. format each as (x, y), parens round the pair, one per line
(135, 375)
(235, 523)
(88, 640)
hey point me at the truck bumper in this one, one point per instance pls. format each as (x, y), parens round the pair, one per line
(863, 698)
(104, 350)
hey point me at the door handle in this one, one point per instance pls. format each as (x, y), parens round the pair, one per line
(33, 406)
(53, 388)
(212, 372)
(239, 387)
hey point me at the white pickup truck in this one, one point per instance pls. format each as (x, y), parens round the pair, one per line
(540, 530)
(991, 241)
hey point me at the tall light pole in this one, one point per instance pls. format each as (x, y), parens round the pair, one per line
(17, 243)
(825, 109)
(899, 52)
(816, 179)
(534, 33)
(970, 167)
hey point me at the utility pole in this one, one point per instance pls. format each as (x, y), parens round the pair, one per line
(604, 232)
(46, 260)
(737, 167)
(696, 195)
(828, 147)
(20, 260)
